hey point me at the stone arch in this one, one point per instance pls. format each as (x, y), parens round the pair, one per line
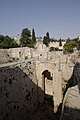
(47, 74)
(47, 83)
(47, 86)
(44, 72)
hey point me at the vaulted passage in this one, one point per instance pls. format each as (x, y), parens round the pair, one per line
(47, 82)
(47, 74)
(47, 86)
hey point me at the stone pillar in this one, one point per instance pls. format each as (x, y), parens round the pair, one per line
(43, 85)
(57, 89)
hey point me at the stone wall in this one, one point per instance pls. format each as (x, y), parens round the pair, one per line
(21, 53)
(18, 91)
(21, 85)
(56, 44)
(59, 66)
(4, 58)
(53, 86)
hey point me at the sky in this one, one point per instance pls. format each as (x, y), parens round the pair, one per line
(61, 18)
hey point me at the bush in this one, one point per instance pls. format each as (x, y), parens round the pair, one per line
(69, 46)
(53, 49)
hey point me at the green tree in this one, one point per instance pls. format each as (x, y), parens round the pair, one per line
(15, 45)
(1, 38)
(46, 39)
(6, 41)
(69, 46)
(51, 49)
(78, 45)
(60, 42)
(26, 32)
(33, 37)
(47, 35)
(68, 40)
(25, 38)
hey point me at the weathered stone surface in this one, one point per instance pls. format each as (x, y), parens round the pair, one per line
(18, 91)
(22, 83)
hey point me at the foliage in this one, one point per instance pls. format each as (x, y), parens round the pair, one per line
(15, 45)
(68, 40)
(26, 32)
(47, 35)
(53, 49)
(33, 37)
(60, 42)
(1, 38)
(53, 40)
(56, 49)
(78, 45)
(25, 38)
(7, 42)
(46, 39)
(70, 45)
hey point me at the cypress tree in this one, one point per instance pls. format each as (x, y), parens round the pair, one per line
(33, 36)
(60, 42)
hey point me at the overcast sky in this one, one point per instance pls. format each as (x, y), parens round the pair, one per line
(61, 18)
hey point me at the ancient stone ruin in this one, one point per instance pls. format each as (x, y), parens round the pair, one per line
(30, 79)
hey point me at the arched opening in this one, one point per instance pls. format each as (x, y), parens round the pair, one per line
(47, 85)
(47, 74)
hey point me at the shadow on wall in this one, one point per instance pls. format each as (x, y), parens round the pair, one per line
(70, 114)
(47, 75)
(19, 98)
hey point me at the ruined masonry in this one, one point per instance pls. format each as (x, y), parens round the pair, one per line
(25, 82)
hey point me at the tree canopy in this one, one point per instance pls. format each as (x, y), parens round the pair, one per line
(25, 38)
(70, 45)
(46, 39)
(33, 37)
(7, 42)
(60, 42)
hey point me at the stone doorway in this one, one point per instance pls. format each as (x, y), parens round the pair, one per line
(47, 85)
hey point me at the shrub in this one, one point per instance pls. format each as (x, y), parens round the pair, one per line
(69, 46)
(53, 49)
